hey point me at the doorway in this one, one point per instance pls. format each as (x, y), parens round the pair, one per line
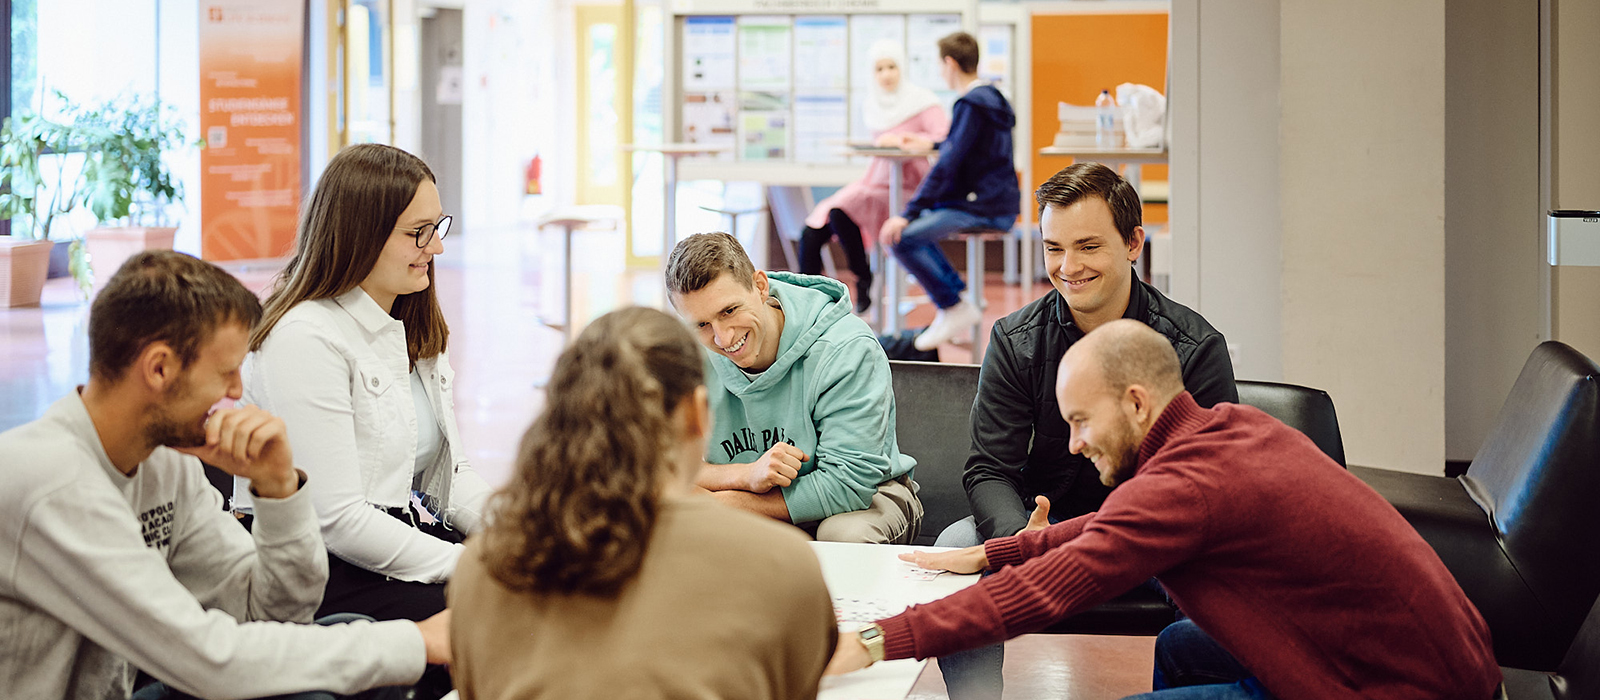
(443, 87)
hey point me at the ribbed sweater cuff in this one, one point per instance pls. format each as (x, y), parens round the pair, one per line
(898, 642)
(1003, 551)
(1019, 598)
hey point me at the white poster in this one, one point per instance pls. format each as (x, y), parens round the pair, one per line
(763, 126)
(708, 45)
(994, 62)
(821, 50)
(820, 126)
(708, 118)
(865, 30)
(764, 52)
(923, 33)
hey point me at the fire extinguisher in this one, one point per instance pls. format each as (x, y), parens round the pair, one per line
(534, 166)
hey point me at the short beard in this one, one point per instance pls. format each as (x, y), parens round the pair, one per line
(164, 430)
(1124, 459)
(1122, 468)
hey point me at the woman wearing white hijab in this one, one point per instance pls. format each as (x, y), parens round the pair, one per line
(896, 109)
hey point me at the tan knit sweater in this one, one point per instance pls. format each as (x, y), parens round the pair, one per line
(727, 605)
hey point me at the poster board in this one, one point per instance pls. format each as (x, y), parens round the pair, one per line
(792, 129)
(250, 56)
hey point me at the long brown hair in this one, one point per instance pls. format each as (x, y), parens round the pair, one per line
(579, 511)
(343, 228)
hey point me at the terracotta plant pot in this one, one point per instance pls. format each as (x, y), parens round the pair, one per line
(24, 263)
(110, 247)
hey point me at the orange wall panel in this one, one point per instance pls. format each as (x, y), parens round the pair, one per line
(250, 116)
(1076, 56)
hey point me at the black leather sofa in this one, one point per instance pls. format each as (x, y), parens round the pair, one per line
(1520, 529)
(934, 403)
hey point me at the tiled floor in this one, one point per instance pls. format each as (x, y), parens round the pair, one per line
(495, 286)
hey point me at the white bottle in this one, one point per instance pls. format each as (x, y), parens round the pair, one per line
(1105, 123)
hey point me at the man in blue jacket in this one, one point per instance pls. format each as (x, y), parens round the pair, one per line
(973, 185)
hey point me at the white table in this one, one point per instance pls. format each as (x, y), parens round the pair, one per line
(889, 272)
(672, 152)
(873, 573)
(571, 219)
(1114, 157)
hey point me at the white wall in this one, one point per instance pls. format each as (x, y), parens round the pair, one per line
(179, 75)
(514, 96)
(1362, 166)
(1225, 174)
(1493, 221)
(1575, 146)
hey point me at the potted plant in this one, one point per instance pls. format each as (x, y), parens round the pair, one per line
(126, 184)
(33, 204)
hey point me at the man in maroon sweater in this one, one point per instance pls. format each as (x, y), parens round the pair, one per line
(1298, 579)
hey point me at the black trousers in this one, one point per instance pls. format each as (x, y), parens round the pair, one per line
(840, 226)
(352, 589)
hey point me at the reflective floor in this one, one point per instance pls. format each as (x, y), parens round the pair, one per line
(497, 288)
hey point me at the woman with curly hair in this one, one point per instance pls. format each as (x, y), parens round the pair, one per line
(603, 572)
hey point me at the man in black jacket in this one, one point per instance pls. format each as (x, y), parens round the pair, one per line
(1092, 226)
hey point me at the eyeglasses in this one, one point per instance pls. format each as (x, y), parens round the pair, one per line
(425, 233)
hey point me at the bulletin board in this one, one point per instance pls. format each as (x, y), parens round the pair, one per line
(785, 82)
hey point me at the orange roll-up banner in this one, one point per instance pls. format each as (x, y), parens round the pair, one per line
(250, 116)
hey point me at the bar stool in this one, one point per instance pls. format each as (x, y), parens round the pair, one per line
(976, 238)
(571, 220)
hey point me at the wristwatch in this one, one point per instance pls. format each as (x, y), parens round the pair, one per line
(872, 639)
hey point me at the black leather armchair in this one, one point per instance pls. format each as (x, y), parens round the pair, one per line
(933, 409)
(933, 404)
(1519, 530)
(1305, 409)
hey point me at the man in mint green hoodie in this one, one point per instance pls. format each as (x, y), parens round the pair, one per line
(801, 400)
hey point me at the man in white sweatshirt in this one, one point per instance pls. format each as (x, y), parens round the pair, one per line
(115, 552)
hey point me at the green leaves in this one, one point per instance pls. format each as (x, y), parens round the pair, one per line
(122, 178)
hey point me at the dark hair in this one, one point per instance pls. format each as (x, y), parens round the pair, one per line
(162, 296)
(963, 48)
(343, 228)
(1080, 180)
(578, 513)
(699, 259)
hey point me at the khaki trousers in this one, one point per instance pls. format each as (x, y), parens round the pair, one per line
(892, 518)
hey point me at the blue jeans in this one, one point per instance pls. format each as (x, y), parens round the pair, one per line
(974, 674)
(918, 250)
(1190, 665)
(161, 691)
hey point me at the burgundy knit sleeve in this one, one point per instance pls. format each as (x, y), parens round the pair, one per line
(1025, 545)
(1148, 525)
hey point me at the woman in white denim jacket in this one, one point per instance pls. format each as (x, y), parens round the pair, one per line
(350, 352)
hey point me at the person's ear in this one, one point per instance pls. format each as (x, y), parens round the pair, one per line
(697, 419)
(1136, 399)
(157, 367)
(1137, 246)
(761, 282)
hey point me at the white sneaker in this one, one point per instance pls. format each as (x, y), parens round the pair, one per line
(946, 324)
